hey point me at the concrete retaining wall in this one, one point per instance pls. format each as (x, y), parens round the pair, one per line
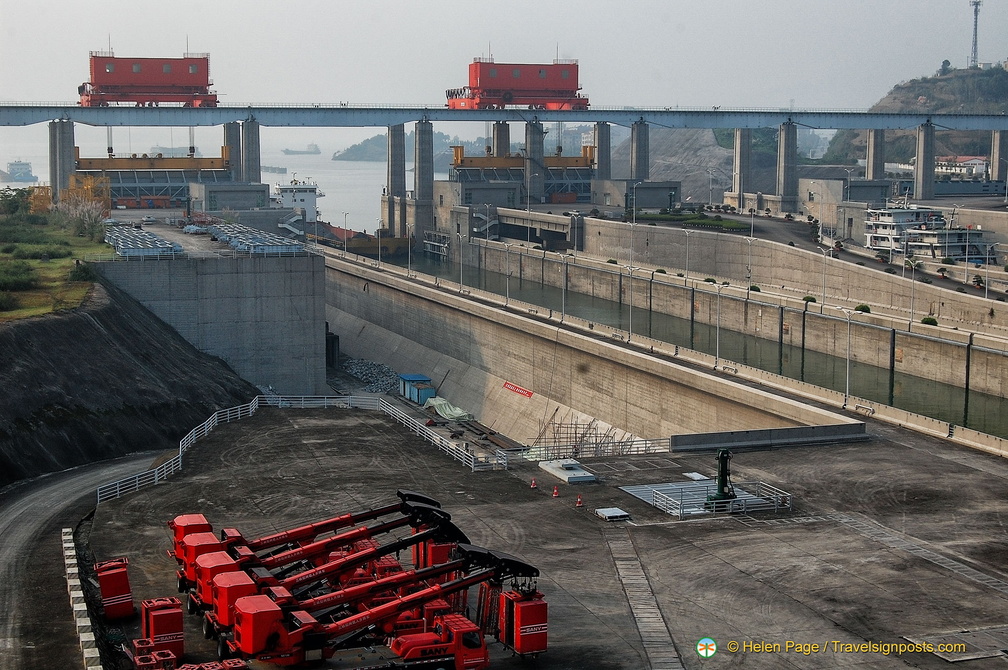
(263, 315)
(930, 352)
(781, 267)
(469, 349)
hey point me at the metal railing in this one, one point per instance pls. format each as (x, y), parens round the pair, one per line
(693, 500)
(461, 452)
(554, 452)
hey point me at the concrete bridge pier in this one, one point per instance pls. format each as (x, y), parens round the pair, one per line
(251, 161)
(924, 169)
(640, 158)
(232, 140)
(741, 165)
(423, 182)
(61, 156)
(501, 146)
(603, 151)
(395, 190)
(535, 168)
(875, 157)
(999, 155)
(787, 167)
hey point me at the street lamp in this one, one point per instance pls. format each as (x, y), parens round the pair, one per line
(825, 252)
(750, 240)
(819, 208)
(710, 186)
(849, 171)
(507, 275)
(460, 261)
(688, 233)
(378, 235)
(717, 331)
(487, 205)
(1005, 177)
(563, 290)
(987, 266)
(752, 222)
(912, 263)
(630, 270)
(633, 220)
(345, 231)
(966, 262)
(409, 251)
(849, 313)
(528, 207)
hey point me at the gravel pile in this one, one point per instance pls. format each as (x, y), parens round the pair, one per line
(378, 377)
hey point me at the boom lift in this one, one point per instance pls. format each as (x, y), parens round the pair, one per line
(266, 631)
(193, 537)
(299, 566)
(226, 588)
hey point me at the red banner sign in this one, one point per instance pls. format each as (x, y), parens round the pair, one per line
(517, 389)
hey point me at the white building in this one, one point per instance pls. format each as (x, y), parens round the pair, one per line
(923, 232)
(300, 195)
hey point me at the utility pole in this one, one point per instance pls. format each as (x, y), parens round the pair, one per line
(976, 20)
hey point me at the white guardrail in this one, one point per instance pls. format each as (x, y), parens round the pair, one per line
(460, 452)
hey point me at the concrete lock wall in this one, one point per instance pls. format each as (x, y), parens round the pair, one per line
(469, 349)
(932, 353)
(783, 268)
(263, 315)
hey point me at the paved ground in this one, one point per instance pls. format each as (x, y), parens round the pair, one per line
(897, 538)
(32, 576)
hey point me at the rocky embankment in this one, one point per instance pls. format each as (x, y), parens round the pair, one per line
(101, 381)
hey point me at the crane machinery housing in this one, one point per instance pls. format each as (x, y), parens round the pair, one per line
(536, 86)
(148, 82)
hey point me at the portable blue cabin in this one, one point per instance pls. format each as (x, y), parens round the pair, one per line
(417, 388)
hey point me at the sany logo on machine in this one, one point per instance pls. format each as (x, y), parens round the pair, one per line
(533, 629)
(434, 651)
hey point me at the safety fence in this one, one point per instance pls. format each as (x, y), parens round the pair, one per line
(460, 452)
(554, 452)
(694, 500)
(463, 453)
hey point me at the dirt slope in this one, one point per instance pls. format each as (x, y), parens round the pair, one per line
(99, 382)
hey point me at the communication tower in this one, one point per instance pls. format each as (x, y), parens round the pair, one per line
(976, 19)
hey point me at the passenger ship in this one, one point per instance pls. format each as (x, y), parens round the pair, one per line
(922, 232)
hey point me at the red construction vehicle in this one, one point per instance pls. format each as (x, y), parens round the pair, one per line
(148, 82)
(500, 85)
(297, 563)
(265, 631)
(226, 588)
(193, 537)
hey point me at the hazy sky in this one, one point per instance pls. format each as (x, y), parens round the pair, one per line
(841, 54)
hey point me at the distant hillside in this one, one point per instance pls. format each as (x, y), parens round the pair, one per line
(954, 92)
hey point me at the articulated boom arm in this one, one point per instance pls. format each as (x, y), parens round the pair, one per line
(418, 513)
(362, 591)
(500, 567)
(311, 530)
(444, 530)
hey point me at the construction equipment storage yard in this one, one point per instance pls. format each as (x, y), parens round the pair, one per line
(896, 540)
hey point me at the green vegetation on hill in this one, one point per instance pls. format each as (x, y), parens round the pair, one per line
(39, 255)
(950, 91)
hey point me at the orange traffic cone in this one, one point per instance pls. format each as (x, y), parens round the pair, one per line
(556, 491)
(579, 503)
(533, 483)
